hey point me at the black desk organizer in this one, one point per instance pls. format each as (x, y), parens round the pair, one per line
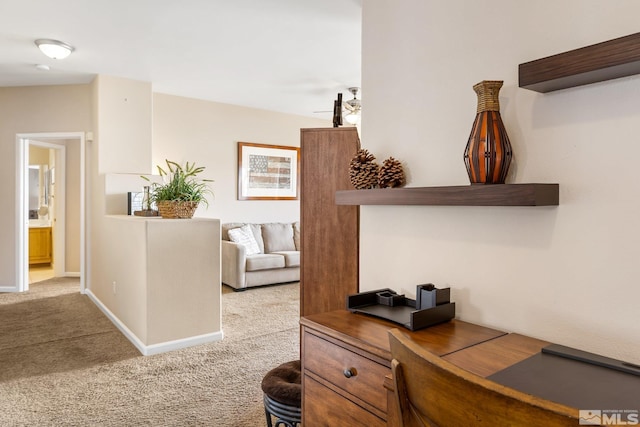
(431, 306)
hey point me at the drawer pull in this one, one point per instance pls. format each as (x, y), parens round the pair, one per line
(350, 372)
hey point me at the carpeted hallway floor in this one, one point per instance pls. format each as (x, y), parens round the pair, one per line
(65, 364)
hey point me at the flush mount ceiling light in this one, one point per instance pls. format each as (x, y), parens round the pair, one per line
(54, 49)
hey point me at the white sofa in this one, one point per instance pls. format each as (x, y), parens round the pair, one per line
(277, 259)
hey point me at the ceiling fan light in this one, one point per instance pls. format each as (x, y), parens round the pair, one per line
(352, 118)
(353, 106)
(54, 49)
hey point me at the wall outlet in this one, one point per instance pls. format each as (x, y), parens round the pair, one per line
(114, 287)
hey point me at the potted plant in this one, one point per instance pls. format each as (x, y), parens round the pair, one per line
(180, 192)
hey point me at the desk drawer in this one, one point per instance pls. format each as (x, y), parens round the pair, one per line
(330, 362)
(322, 407)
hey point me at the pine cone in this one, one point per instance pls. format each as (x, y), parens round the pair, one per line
(391, 174)
(363, 170)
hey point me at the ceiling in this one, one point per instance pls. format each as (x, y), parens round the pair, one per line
(291, 56)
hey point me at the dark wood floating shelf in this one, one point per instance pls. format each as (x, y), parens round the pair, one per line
(596, 63)
(462, 195)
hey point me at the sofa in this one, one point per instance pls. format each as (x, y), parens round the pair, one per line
(255, 254)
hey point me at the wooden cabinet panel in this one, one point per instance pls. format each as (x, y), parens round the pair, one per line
(40, 245)
(329, 233)
(323, 407)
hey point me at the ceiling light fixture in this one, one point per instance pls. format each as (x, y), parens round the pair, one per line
(353, 107)
(352, 118)
(54, 49)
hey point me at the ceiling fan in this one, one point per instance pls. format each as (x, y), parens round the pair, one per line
(353, 107)
(349, 109)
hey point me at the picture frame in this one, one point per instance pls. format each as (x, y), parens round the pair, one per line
(134, 202)
(268, 172)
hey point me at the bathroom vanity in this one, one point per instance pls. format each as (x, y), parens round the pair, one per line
(40, 244)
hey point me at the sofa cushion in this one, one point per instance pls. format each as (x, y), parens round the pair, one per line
(278, 237)
(244, 236)
(291, 258)
(296, 234)
(264, 262)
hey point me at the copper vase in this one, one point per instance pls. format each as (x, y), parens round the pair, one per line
(488, 152)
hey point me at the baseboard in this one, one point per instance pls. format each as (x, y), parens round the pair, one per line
(183, 343)
(148, 350)
(8, 289)
(71, 274)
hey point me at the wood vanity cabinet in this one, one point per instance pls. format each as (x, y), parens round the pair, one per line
(40, 245)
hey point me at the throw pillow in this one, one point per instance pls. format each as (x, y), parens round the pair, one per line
(278, 237)
(244, 236)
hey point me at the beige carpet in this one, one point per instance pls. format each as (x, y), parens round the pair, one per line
(64, 364)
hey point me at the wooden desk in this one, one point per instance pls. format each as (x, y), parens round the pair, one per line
(347, 379)
(346, 357)
(489, 357)
(516, 361)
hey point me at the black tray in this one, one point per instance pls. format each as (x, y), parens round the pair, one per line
(387, 304)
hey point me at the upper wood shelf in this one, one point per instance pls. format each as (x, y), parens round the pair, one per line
(462, 195)
(596, 63)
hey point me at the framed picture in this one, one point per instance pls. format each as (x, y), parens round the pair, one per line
(268, 172)
(134, 202)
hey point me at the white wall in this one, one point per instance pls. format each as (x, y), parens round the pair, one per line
(72, 208)
(567, 274)
(31, 109)
(122, 144)
(124, 148)
(158, 305)
(208, 133)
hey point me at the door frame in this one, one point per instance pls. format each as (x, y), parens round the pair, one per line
(22, 222)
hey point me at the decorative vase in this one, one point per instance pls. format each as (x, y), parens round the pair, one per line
(488, 152)
(146, 199)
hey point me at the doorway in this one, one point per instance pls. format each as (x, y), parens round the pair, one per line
(47, 245)
(61, 204)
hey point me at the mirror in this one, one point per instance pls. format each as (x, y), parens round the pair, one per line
(39, 191)
(34, 191)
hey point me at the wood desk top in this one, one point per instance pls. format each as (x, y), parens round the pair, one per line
(371, 334)
(492, 356)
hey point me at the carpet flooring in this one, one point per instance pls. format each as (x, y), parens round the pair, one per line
(64, 364)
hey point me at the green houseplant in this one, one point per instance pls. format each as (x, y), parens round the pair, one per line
(181, 191)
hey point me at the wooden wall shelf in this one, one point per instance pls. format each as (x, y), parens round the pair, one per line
(463, 195)
(596, 63)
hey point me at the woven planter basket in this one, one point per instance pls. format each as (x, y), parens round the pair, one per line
(176, 209)
(186, 209)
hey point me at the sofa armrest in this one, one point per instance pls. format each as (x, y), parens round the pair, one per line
(234, 262)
